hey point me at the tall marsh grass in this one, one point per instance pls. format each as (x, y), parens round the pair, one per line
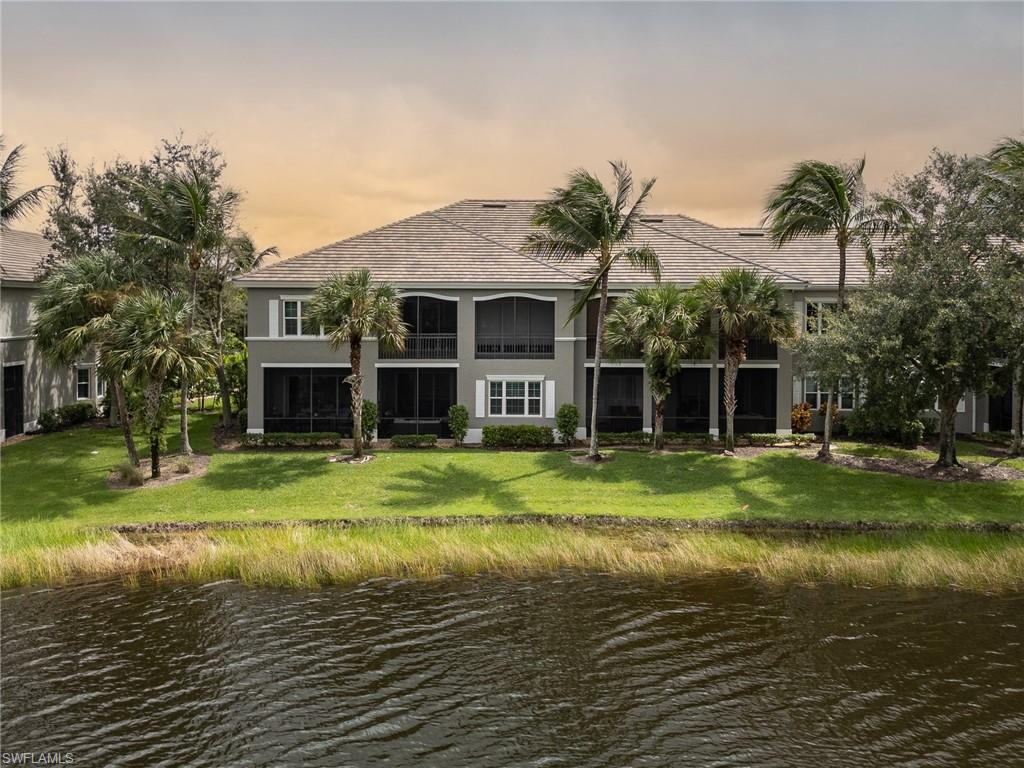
(304, 556)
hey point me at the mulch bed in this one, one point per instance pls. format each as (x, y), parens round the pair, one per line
(168, 475)
(926, 469)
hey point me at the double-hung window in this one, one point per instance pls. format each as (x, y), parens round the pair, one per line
(818, 316)
(82, 383)
(816, 393)
(514, 398)
(296, 323)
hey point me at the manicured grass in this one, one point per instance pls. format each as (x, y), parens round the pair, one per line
(966, 451)
(53, 492)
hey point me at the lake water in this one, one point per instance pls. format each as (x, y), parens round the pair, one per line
(575, 671)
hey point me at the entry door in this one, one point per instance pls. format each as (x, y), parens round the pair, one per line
(14, 400)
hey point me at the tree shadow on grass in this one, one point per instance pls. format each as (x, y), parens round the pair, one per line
(263, 472)
(430, 487)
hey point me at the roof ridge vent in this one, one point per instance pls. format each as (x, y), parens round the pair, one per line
(751, 233)
(651, 220)
(493, 205)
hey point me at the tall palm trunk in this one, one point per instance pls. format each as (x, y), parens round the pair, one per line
(735, 353)
(193, 281)
(1017, 415)
(659, 423)
(225, 393)
(947, 431)
(602, 308)
(121, 406)
(356, 382)
(825, 451)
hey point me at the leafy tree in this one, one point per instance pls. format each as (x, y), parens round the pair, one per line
(188, 213)
(151, 343)
(14, 205)
(584, 221)
(820, 199)
(73, 311)
(1006, 201)
(665, 321)
(350, 307)
(747, 306)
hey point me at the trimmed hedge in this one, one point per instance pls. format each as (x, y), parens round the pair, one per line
(293, 440)
(802, 438)
(646, 438)
(414, 441)
(518, 436)
(763, 438)
(66, 416)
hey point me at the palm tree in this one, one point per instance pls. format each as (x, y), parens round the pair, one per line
(1006, 198)
(13, 205)
(349, 308)
(664, 320)
(582, 220)
(187, 212)
(150, 342)
(747, 306)
(818, 199)
(73, 311)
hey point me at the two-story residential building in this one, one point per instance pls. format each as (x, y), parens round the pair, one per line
(30, 383)
(490, 329)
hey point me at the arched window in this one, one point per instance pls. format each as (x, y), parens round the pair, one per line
(515, 328)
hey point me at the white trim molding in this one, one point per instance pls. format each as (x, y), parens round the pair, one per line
(570, 338)
(14, 362)
(254, 431)
(305, 365)
(474, 435)
(515, 377)
(289, 338)
(615, 365)
(413, 364)
(783, 431)
(713, 431)
(440, 296)
(752, 365)
(513, 295)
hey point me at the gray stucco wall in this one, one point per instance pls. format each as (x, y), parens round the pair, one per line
(45, 386)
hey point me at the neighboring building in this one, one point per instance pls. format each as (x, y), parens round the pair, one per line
(31, 384)
(490, 329)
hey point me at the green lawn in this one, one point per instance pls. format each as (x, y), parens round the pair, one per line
(966, 450)
(59, 479)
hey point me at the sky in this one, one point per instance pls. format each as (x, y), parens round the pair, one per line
(335, 118)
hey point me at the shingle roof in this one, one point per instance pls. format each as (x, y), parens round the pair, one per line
(22, 254)
(474, 241)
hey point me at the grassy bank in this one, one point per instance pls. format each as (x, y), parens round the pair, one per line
(54, 501)
(304, 556)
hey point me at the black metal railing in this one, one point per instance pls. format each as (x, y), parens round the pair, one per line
(425, 346)
(757, 349)
(632, 352)
(515, 347)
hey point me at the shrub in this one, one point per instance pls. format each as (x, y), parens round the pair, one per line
(370, 418)
(243, 419)
(517, 436)
(458, 422)
(182, 466)
(624, 438)
(800, 417)
(292, 440)
(129, 474)
(912, 433)
(762, 438)
(803, 438)
(701, 438)
(49, 421)
(567, 421)
(414, 441)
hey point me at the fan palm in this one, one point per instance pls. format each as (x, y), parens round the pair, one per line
(13, 205)
(350, 307)
(73, 310)
(150, 342)
(747, 306)
(187, 212)
(665, 321)
(584, 221)
(818, 199)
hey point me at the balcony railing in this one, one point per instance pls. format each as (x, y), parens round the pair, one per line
(515, 347)
(425, 346)
(632, 352)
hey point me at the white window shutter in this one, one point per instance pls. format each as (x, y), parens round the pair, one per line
(481, 398)
(549, 399)
(275, 323)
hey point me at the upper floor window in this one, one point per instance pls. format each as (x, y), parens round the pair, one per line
(818, 315)
(515, 327)
(433, 329)
(295, 321)
(83, 383)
